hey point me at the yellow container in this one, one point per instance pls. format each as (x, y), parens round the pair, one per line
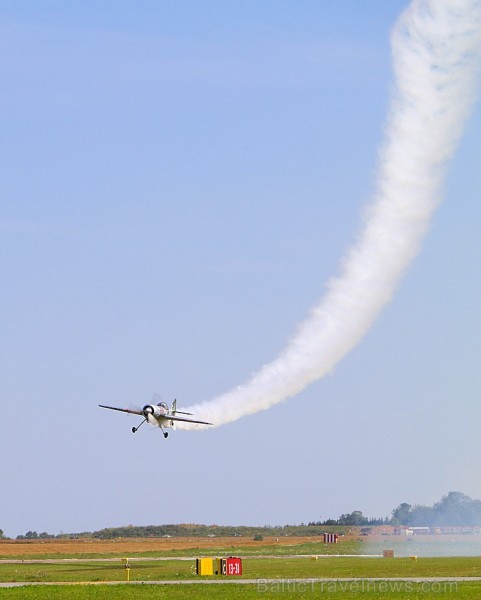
(204, 566)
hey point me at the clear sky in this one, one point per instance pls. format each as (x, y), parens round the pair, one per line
(179, 180)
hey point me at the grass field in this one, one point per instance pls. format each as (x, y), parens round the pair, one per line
(434, 545)
(254, 568)
(271, 564)
(175, 547)
(411, 591)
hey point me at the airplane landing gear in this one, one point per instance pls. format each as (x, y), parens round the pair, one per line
(135, 429)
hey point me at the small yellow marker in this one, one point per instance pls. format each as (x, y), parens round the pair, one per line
(125, 562)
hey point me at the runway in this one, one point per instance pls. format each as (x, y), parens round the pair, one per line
(343, 583)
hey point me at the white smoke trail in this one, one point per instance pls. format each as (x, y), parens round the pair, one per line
(436, 48)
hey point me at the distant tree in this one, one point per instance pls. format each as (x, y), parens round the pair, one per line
(2, 535)
(355, 518)
(454, 509)
(31, 535)
(422, 516)
(457, 509)
(402, 514)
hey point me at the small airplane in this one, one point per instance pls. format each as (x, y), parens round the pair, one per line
(159, 415)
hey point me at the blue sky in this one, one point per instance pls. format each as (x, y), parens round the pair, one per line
(178, 182)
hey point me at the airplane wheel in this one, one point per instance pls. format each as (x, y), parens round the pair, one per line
(134, 429)
(166, 434)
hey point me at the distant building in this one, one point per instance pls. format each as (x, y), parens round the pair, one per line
(468, 530)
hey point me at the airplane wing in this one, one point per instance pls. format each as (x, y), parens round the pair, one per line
(176, 418)
(126, 410)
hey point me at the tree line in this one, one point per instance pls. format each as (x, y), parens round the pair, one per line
(454, 509)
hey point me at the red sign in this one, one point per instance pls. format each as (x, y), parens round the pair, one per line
(233, 566)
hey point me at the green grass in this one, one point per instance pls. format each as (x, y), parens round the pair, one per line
(363, 567)
(96, 571)
(260, 563)
(253, 568)
(403, 591)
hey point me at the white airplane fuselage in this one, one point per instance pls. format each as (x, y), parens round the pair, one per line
(158, 414)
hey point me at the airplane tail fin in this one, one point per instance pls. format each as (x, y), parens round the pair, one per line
(175, 411)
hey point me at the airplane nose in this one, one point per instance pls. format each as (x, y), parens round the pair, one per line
(148, 410)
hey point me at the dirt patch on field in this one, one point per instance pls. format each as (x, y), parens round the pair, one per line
(138, 545)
